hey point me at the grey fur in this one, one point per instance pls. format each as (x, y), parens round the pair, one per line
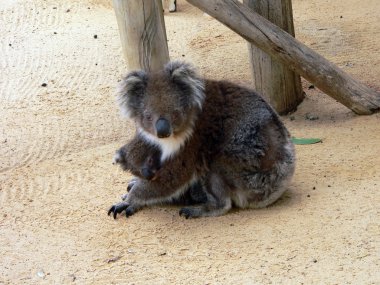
(235, 143)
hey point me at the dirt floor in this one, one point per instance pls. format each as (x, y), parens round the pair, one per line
(57, 141)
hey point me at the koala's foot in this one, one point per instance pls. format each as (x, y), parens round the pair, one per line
(119, 208)
(203, 211)
(190, 212)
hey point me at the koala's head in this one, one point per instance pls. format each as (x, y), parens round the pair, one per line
(146, 167)
(150, 167)
(163, 104)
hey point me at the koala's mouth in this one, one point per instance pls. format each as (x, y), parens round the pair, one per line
(163, 136)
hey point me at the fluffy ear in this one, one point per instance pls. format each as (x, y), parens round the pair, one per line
(186, 77)
(130, 93)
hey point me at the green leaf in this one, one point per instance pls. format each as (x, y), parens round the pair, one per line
(303, 141)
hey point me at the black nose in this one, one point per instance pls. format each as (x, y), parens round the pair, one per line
(163, 128)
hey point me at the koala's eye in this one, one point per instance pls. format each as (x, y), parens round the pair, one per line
(175, 115)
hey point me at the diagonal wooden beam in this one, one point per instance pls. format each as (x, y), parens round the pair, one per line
(297, 56)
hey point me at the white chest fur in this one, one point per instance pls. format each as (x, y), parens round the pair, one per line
(169, 146)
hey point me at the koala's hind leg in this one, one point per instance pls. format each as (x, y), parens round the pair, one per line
(194, 195)
(218, 200)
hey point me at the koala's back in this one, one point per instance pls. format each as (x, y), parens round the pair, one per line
(236, 120)
(244, 140)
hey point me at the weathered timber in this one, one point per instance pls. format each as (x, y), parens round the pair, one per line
(298, 57)
(142, 33)
(273, 79)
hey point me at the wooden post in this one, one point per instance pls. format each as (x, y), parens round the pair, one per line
(280, 85)
(298, 57)
(142, 32)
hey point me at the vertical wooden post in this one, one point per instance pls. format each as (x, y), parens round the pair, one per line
(142, 33)
(278, 84)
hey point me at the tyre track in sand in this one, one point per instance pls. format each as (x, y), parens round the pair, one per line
(54, 140)
(25, 189)
(25, 54)
(51, 57)
(39, 47)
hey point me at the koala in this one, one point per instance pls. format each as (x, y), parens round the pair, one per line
(143, 160)
(216, 133)
(140, 158)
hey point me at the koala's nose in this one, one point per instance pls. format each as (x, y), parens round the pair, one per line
(163, 128)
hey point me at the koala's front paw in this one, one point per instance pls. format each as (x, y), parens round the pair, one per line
(119, 208)
(132, 183)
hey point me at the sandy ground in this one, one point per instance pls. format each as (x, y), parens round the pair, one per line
(56, 145)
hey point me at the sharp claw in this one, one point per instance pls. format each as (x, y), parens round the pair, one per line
(119, 208)
(112, 209)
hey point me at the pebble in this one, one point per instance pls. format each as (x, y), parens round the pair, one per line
(311, 117)
(40, 273)
(113, 259)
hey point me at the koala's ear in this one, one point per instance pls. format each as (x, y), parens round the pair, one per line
(187, 78)
(131, 91)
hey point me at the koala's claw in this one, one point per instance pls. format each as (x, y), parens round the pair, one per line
(187, 213)
(120, 207)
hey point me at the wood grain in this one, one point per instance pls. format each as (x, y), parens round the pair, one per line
(142, 33)
(273, 79)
